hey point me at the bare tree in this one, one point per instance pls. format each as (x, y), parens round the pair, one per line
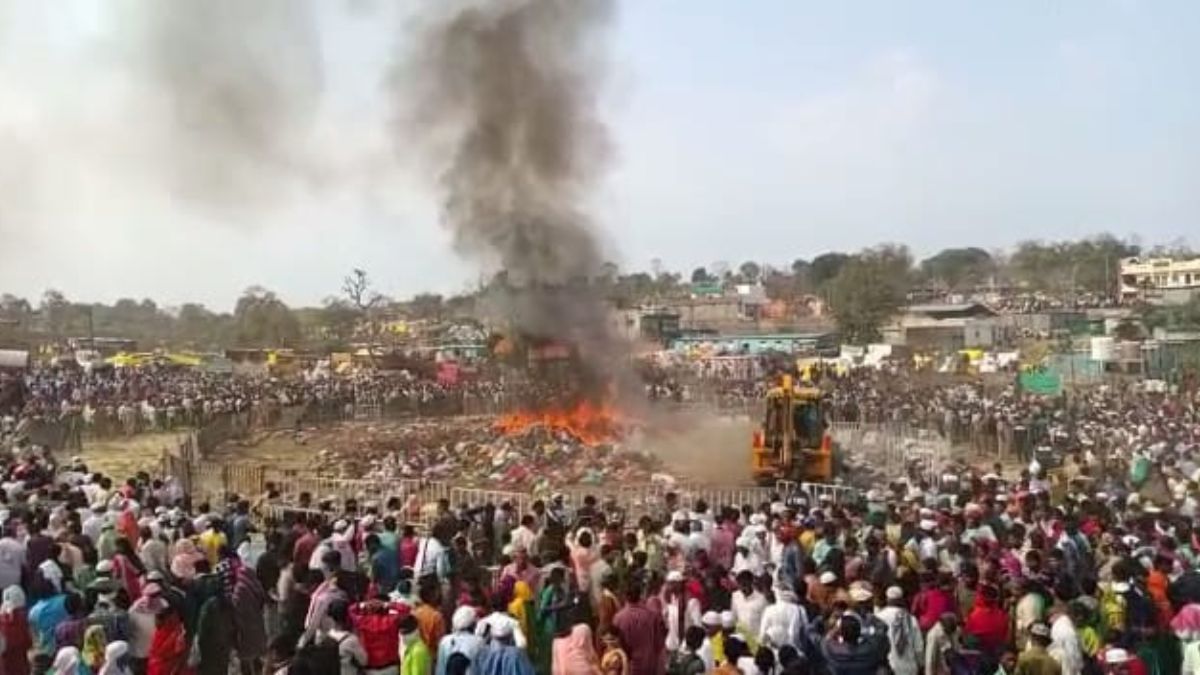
(357, 289)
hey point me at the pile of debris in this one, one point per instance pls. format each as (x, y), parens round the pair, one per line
(474, 452)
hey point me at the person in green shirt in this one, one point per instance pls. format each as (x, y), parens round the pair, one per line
(414, 653)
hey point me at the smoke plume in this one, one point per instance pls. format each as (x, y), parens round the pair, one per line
(237, 85)
(501, 97)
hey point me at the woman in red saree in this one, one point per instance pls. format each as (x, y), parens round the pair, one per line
(169, 649)
(14, 627)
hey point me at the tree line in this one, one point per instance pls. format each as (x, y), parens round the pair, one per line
(862, 289)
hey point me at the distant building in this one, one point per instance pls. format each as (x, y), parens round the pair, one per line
(787, 343)
(946, 328)
(651, 324)
(1159, 280)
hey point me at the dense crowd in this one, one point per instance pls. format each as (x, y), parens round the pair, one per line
(988, 574)
(1123, 424)
(126, 401)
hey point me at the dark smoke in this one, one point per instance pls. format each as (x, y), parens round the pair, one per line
(501, 95)
(239, 85)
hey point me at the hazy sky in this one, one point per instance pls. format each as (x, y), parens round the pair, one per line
(756, 129)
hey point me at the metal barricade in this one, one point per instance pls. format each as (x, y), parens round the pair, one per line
(471, 497)
(721, 496)
(839, 494)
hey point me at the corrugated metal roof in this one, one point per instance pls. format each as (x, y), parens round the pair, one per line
(949, 308)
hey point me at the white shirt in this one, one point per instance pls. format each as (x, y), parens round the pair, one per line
(908, 660)
(12, 559)
(786, 619)
(691, 618)
(748, 611)
(92, 526)
(523, 537)
(706, 655)
(1064, 645)
(429, 553)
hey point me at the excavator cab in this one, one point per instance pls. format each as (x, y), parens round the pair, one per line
(793, 443)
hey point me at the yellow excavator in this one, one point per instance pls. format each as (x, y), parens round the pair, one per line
(793, 442)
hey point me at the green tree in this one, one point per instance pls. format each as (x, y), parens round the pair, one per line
(261, 319)
(339, 319)
(1087, 265)
(14, 308)
(959, 268)
(750, 271)
(868, 290)
(56, 312)
(426, 306)
(699, 275)
(197, 326)
(825, 267)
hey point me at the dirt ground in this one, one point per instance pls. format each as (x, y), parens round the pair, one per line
(691, 445)
(122, 457)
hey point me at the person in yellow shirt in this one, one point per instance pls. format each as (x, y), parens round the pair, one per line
(212, 541)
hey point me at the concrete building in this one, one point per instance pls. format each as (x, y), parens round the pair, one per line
(946, 328)
(788, 343)
(1159, 280)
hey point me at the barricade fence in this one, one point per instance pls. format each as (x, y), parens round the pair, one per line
(895, 449)
(280, 491)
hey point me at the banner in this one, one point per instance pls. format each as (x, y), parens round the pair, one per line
(1040, 382)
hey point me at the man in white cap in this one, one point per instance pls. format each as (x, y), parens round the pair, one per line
(462, 640)
(1035, 660)
(904, 634)
(679, 611)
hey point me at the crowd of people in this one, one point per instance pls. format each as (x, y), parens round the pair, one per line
(1121, 423)
(993, 573)
(126, 401)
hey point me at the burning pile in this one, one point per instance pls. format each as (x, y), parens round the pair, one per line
(518, 452)
(589, 423)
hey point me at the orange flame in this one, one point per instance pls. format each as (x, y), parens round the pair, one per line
(591, 423)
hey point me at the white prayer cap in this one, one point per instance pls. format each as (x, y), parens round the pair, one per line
(464, 618)
(1115, 655)
(727, 619)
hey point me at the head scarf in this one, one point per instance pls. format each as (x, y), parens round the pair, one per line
(66, 662)
(93, 646)
(183, 565)
(114, 659)
(14, 599)
(151, 601)
(1186, 623)
(574, 653)
(520, 605)
(169, 647)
